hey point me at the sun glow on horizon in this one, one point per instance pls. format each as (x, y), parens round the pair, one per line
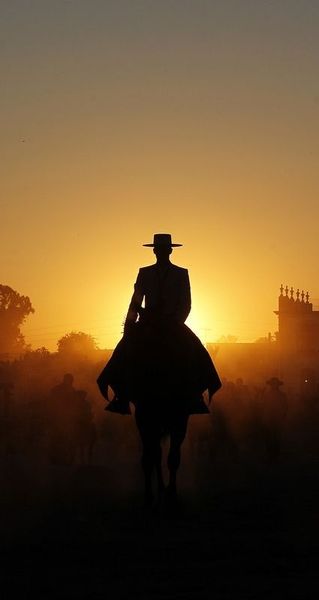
(105, 321)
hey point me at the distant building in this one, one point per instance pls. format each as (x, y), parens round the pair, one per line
(298, 340)
(298, 323)
(292, 355)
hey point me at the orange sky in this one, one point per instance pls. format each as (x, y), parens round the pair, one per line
(122, 119)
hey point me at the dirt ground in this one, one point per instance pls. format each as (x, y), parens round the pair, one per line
(237, 532)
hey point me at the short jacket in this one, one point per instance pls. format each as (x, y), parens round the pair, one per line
(166, 294)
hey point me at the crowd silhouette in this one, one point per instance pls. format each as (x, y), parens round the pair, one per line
(48, 417)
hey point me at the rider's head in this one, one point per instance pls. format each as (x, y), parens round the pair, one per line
(162, 246)
(162, 252)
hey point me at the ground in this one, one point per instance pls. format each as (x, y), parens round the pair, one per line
(82, 532)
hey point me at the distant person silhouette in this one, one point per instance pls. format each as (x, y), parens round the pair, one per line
(70, 422)
(64, 391)
(85, 429)
(160, 365)
(8, 421)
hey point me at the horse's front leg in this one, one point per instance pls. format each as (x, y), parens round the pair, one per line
(177, 436)
(150, 434)
(159, 472)
(173, 462)
(152, 459)
(148, 489)
(148, 464)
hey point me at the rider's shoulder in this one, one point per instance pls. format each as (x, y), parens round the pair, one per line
(153, 269)
(147, 269)
(180, 270)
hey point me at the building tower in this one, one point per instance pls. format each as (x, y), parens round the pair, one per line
(298, 323)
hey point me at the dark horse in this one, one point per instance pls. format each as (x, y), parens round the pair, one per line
(153, 427)
(165, 389)
(160, 365)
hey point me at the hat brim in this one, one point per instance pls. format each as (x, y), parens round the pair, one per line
(162, 245)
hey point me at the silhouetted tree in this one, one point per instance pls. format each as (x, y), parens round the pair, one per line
(14, 309)
(77, 343)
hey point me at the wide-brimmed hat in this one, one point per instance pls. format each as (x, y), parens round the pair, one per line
(162, 239)
(274, 381)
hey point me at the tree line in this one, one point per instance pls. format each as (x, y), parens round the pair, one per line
(14, 310)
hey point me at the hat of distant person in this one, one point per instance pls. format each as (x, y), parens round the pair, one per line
(161, 240)
(274, 381)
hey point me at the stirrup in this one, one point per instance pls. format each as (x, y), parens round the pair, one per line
(119, 406)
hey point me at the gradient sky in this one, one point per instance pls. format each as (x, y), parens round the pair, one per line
(124, 118)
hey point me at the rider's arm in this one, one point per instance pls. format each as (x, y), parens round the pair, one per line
(136, 302)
